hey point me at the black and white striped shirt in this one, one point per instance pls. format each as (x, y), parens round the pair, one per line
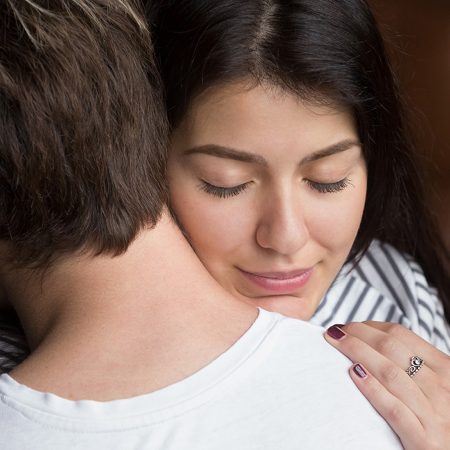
(386, 286)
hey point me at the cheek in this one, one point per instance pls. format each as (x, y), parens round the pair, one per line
(216, 228)
(334, 222)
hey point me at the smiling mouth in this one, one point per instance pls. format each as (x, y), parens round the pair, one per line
(278, 283)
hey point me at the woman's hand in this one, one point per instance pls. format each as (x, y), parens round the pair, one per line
(417, 407)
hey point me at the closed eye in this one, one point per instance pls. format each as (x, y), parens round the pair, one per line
(328, 188)
(222, 192)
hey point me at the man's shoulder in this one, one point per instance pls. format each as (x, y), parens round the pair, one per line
(273, 389)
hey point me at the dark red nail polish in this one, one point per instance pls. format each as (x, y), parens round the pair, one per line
(335, 332)
(359, 370)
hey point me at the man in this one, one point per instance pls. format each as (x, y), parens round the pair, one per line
(133, 345)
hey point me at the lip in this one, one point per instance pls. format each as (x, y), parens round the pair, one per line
(279, 283)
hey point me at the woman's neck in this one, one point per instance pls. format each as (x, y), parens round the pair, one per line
(143, 318)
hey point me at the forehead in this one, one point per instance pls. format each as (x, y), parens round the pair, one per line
(254, 116)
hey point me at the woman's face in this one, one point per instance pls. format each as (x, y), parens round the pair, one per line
(270, 191)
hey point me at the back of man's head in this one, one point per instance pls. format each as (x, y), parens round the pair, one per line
(82, 128)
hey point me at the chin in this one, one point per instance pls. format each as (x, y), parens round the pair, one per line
(287, 305)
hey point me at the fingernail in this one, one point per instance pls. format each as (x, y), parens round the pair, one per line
(335, 332)
(359, 370)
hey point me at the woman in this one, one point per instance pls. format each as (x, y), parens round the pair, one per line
(290, 159)
(287, 127)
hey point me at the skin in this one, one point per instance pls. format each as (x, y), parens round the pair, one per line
(90, 318)
(418, 408)
(288, 201)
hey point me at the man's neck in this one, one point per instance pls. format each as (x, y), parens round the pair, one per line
(114, 327)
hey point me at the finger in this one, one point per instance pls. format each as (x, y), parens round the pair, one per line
(435, 386)
(402, 420)
(388, 373)
(438, 361)
(394, 349)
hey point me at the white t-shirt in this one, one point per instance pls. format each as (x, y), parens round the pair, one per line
(279, 387)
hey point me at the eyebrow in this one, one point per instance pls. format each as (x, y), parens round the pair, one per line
(339, 147)
(227, 153)
(239, 155)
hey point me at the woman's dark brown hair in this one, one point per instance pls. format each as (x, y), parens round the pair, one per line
(314, 49)
(82, 132)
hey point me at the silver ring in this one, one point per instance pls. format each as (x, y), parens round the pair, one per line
(416, 364)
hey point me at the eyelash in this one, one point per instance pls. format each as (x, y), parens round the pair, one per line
(329, 188)
(221, 192)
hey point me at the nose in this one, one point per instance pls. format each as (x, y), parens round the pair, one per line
(282, 226)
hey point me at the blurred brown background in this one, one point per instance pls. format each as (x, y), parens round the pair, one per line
(417, 38)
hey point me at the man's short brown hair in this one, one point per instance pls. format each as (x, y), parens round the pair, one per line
(82, 127)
